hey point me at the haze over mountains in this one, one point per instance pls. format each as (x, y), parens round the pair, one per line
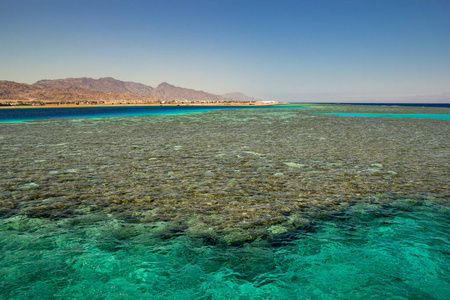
(236, 96)
(109, 89)
(438, 98)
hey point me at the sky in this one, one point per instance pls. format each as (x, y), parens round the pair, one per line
(283, 50)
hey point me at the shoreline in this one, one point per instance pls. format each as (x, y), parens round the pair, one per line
(66, 105)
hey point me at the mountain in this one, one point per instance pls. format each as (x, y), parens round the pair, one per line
(110, 85)
(169, 92)
(10, 90)
(108, 89)
(18, 91)
(106, 85)
(236, 96)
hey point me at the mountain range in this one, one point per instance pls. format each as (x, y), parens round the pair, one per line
(236, 96)
(107, 89)
(105, 85)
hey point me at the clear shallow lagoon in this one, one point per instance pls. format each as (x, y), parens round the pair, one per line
(389, 115)
(260, 203)
(398, 251)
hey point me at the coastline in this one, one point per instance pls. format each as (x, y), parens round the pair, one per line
(7, 105)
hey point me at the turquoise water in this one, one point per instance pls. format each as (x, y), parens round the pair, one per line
(399, 251)
(391, 115)
(260, 203)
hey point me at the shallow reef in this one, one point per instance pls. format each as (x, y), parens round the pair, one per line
(225, 177)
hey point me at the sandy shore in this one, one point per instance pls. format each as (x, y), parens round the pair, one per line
(2, 105)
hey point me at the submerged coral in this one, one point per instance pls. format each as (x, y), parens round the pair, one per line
(225, 176)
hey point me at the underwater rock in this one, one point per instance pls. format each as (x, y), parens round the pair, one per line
(29, 186)
(20, 222)
(277, 229)
(295, 165)
(298, 220)
(236, 237)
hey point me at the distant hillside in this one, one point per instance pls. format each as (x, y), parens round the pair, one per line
(106, 85)
(239, 97)
(110, 85)
(169, 92)
(108, 89)
(10, 90)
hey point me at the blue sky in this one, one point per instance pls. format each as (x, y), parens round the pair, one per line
(310, 50)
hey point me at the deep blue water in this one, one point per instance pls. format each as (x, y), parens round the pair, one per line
(395, 104)
(31, 114)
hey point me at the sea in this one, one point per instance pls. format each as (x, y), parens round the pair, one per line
(300, 201)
